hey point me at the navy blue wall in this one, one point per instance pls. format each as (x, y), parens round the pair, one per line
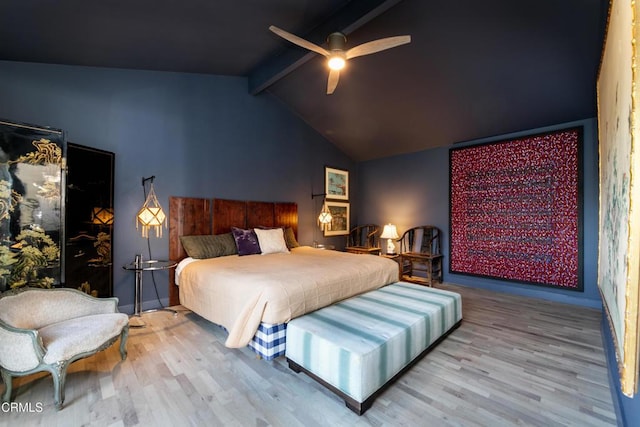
(413, 189)
(200, 135)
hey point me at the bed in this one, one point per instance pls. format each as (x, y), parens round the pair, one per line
(254, 296)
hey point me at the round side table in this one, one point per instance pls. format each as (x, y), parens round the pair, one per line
(139, 266)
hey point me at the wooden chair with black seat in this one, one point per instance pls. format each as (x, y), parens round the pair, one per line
(421, 258)
(364, 239)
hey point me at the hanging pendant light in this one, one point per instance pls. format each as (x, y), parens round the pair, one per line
(151, 214)
(325, 218)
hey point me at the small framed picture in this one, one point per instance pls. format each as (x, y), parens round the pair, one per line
(339, 219)
(336, 183)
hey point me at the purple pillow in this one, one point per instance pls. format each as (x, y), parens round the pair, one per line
(246, 241)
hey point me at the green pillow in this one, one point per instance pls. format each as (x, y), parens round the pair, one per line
(290, 238)
(209, 245)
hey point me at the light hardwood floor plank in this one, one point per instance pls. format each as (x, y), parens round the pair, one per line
(513, 361)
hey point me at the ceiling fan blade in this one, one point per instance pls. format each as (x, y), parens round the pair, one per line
(334, 76)
(300, 42)
(377, 46)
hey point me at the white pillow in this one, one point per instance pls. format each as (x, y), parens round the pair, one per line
(271, 241)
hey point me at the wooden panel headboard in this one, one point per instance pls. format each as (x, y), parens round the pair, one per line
(195, 216)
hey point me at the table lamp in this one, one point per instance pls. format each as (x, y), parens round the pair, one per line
(390, 233)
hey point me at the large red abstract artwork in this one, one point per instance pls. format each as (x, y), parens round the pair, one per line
(515, 209)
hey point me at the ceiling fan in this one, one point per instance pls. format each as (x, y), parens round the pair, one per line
(336, 53)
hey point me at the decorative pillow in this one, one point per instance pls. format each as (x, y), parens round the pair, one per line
(271, 240)
(209, 245)
(290, 238)
(246, 241)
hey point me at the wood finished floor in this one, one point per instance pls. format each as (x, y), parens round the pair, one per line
(514, 361)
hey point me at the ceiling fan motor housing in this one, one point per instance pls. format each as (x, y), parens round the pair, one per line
(336, 41)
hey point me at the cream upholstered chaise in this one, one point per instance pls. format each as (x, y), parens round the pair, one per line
(48, 329)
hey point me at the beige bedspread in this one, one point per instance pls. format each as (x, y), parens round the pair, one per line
(240, 292)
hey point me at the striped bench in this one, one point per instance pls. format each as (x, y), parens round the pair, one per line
(360, 345)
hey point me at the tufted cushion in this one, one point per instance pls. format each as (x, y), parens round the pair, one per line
(209, 246)
(69, 338)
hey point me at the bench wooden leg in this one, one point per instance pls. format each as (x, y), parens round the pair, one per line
(294, 366)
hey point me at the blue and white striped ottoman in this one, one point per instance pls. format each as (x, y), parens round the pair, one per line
(361, 344)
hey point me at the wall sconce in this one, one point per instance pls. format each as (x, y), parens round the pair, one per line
(102, 216)
(151, 214)
(325, 218)
(391, 233)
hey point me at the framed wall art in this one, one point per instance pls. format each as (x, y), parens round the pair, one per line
(336, 183)
(619, 222)
(516, 209)
(339, 219)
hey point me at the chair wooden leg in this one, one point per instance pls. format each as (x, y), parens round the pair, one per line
(123, 342)
(7, 379)
(59, 374)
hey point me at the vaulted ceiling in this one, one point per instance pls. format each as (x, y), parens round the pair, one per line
(473, 69)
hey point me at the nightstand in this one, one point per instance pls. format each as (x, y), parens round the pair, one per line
(323, 246)
(398, 260)
(139, 266)
(362, 250)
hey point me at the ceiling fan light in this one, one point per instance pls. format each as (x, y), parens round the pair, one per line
(336, 63)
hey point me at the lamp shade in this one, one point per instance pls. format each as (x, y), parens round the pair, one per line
(325, 217)
(151, 215)
(389, 232)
